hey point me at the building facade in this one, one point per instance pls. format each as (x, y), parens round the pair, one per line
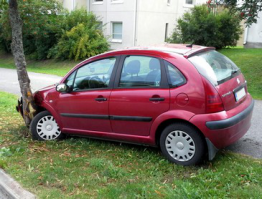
(253, 34)
(128, 23)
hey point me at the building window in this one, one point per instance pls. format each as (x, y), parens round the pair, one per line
(166, 32)
(168, 2)
(117, 1)
(190, 2)
(98, 1)
(117, 31)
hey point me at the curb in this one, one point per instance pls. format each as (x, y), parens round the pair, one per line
(10, 189)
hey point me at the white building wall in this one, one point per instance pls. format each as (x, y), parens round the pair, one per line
(143, 21)
(153, 15)
(253, 35)
(73, 4)
(120, 11)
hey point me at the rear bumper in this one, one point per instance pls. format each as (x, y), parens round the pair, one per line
(226, 127)
(227, 123)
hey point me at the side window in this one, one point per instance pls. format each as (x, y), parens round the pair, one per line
(93, 75)
(140, 71)
(69, 81)
(174, 76)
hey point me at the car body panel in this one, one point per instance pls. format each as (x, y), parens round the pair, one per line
(128, 115)
(224, 137)
(226, 91)
(136, 103)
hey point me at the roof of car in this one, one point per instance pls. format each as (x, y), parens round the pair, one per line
(182, 49)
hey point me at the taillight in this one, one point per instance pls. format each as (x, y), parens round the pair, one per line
(213, 100)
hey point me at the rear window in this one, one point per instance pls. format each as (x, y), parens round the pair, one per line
(214, 66)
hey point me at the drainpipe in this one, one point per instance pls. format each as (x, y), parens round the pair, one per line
(135, 20)
(88, 5)
(245, 36)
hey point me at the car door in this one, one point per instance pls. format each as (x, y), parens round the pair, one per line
(140, 95)
(85, 108)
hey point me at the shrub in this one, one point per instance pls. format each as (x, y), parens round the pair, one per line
(205, 28)
(49, 31)
(41, 20)
(82, 40)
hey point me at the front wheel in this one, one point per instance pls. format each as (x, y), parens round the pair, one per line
(44, 127)
(181, 144)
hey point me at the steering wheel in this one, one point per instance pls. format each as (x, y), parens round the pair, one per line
(95, 82)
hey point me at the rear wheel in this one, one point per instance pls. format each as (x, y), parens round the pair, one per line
(182, 144)
(44, 127)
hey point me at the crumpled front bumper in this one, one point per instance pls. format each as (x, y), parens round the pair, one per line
(19, 107)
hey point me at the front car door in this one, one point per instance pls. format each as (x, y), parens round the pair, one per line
(140, 95)
(85, 108)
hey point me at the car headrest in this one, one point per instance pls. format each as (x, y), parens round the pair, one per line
(133, 67)
(154, 64)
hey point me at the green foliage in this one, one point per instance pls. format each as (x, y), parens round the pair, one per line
(248, 9)
(46, 26)
(81, 41)
(84, 168)
(205, 28)
(40, 26)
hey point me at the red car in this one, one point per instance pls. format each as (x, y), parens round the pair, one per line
(188, 100)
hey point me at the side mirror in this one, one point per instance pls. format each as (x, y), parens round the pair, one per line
(62, 88)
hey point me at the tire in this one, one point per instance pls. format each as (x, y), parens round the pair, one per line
(44, 127)
(181, 144)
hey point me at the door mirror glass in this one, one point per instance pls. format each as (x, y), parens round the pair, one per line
(62, 88)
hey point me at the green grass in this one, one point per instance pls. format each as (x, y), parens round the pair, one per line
(86, 168)
(53, 67)
(249, 61)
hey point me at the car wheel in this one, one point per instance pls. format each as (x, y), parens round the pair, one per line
(181, 144)
(44, 127)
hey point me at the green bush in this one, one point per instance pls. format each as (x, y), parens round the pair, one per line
(41, 20)
(82, 40)
(49, 31)
(202, 27)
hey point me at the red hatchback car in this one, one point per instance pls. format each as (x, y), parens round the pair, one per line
(189, 100)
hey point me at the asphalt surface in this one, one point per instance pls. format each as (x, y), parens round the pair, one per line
(9, 81)
(250, 144)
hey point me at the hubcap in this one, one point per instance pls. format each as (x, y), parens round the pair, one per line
(47, 128)
(180, 145)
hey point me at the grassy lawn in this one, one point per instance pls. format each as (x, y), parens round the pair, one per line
(250, 63)
(249, 60)
(86, 168)
(53, 67)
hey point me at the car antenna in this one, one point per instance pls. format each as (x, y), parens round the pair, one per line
(190, 45)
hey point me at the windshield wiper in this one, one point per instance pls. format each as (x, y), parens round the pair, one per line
(234, 72)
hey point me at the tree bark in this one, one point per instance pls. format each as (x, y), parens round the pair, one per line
(20, 62)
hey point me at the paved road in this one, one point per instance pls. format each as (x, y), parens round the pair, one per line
(250, 144)
(9, 81)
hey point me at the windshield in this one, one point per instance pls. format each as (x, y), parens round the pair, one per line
(214, 66)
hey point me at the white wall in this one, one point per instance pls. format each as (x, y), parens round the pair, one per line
(153, 16)
(72, 4)
(254, 34)
(124, 12)
(143, 23)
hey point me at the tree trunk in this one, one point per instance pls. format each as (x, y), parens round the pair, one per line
(19, 58)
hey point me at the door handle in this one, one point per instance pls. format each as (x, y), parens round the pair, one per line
(156, 99)
(101, 99)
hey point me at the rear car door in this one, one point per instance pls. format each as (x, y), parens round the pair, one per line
(140, 95)
(86, 107)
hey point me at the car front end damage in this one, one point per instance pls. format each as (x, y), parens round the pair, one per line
(19, 107)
